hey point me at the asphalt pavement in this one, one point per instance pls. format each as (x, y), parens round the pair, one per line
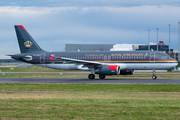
(87, 81)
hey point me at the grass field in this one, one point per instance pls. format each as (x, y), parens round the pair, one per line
(32, 68)
(86, 101)
(89, 101)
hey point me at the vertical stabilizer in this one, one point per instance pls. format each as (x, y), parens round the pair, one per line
(26, 42)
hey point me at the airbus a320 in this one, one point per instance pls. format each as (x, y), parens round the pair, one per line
(101, 62)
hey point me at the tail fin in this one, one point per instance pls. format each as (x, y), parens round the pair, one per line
(26, 42)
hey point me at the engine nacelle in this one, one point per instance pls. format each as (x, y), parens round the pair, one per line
(127, 72)
(108, 70)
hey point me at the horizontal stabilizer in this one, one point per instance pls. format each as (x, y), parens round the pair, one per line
(19, 56)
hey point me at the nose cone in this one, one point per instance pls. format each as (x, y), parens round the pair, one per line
(175, 63)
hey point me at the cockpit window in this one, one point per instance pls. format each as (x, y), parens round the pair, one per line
(167, 57)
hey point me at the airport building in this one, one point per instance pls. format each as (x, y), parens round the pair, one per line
(88, 47)
(118, 47)
(101, 47)
(153, 46)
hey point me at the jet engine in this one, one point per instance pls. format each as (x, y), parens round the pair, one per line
(108, 70)
(126, 72)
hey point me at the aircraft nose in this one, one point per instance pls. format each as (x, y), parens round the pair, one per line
(176, 63)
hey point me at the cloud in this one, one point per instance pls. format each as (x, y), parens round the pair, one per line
(53, 27)
(88, 3)
(16, 11)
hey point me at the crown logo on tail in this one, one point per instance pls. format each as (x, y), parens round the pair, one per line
(28, 43)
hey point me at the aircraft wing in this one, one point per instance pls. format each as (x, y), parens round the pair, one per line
(90, 64)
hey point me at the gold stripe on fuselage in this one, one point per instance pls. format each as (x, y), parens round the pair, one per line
(137, 61)
(129, 61)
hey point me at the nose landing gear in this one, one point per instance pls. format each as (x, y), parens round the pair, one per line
(154, 77)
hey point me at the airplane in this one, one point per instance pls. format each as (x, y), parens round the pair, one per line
(100, 62)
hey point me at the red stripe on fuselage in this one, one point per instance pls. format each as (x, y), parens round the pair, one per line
(113, 67)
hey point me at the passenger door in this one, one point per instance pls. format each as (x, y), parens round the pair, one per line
(152, 57)
(42, 58)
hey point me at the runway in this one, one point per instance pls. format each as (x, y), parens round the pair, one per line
(87, 81)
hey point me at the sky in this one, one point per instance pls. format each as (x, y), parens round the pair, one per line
(54, 23)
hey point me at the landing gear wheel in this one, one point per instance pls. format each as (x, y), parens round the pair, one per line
(101, 76)
(91, 76)
(154, 77)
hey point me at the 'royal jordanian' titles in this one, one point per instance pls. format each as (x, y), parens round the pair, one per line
(102, 63)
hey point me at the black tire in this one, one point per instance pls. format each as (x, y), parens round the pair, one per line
(154, 77)
(91, 76)
(101, 76)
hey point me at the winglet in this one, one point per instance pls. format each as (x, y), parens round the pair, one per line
(21, 27)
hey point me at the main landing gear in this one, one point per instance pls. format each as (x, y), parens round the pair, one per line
(154, 77)
(101, 76)
(92, 76)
